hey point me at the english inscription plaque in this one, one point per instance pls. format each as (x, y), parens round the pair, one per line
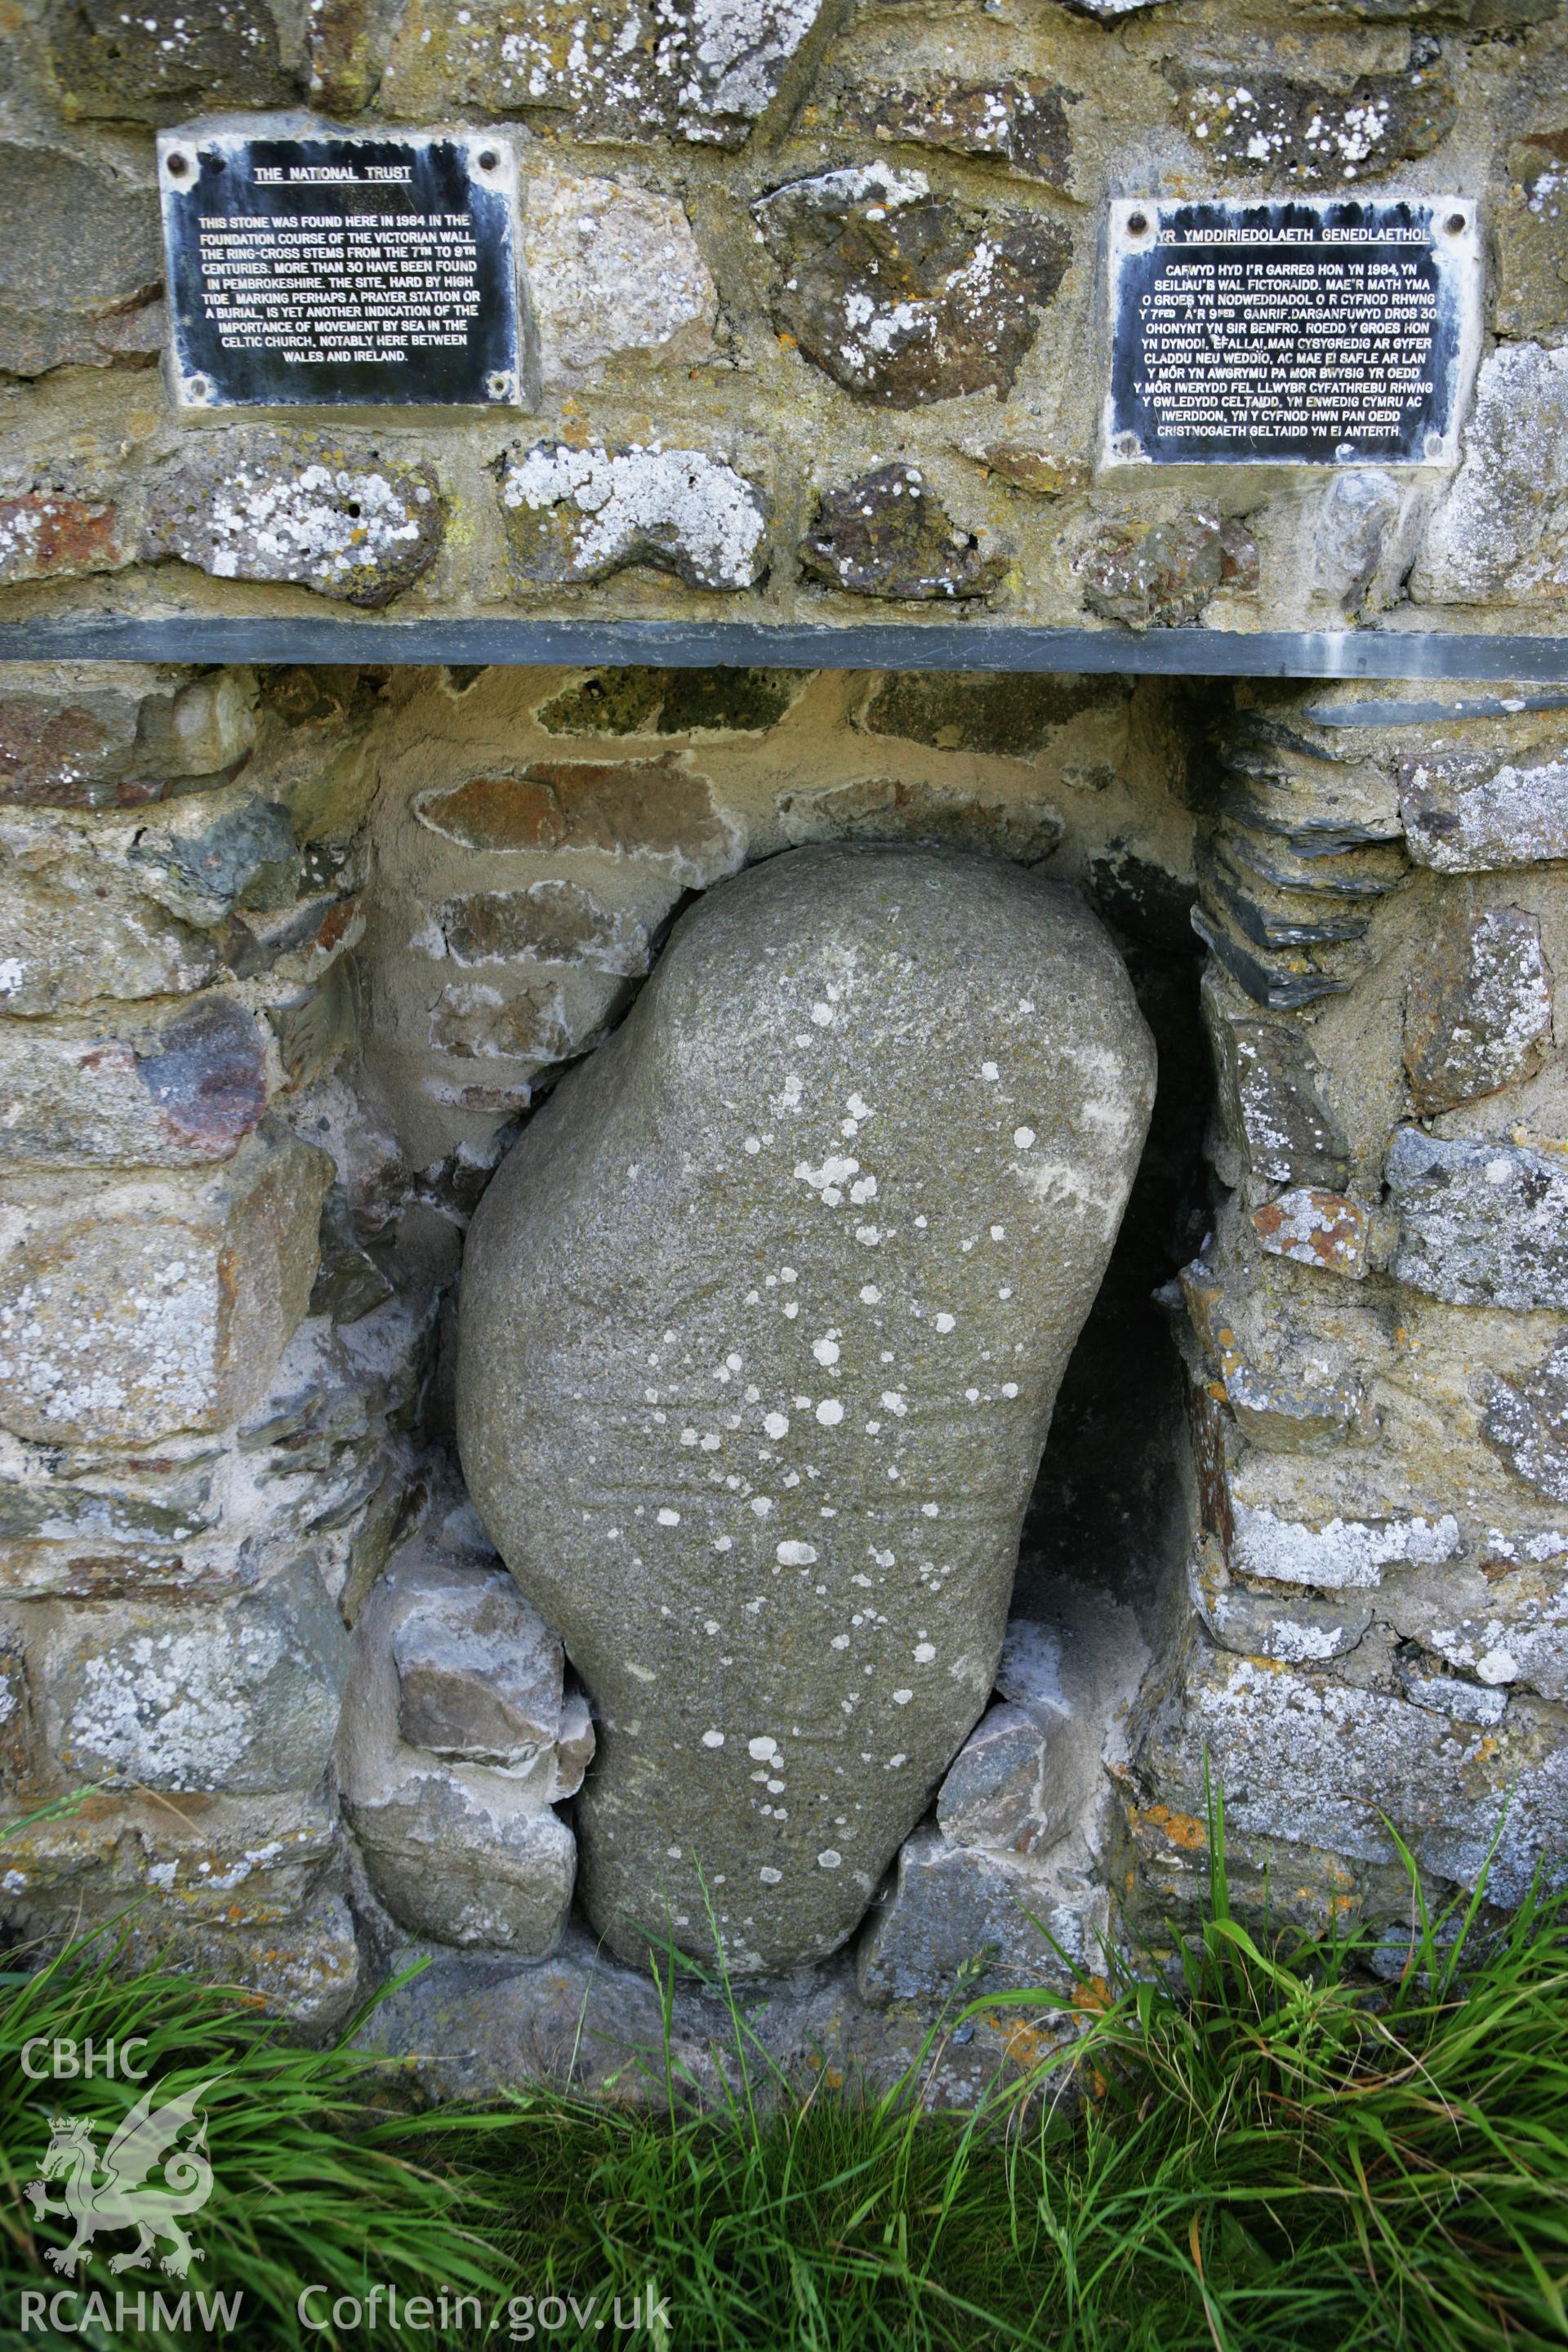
(321, 270)
(1335, 332)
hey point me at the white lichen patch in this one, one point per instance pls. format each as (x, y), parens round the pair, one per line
(1481, 1225)
(81, 1352)
(1517, 815)
(701, 69)
(1322, 1764)
(21, 535)
(239, 1699)
(897, 295)
(1342, 1552)
(1500, 536)
(319, 526)
(1524, 1639)
(166, 1712)
(1316, 1228)
(1270, 128)
(341, 521)
(740, 47)
(582, 514)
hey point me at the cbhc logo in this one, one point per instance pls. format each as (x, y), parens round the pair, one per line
(69, 2060)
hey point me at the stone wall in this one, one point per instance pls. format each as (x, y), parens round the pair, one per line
(290, 957)
(817, 303)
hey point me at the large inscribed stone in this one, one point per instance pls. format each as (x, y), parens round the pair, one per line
(763, 1323)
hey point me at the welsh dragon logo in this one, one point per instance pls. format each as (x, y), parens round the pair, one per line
(116, 2193)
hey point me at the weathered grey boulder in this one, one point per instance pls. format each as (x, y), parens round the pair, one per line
(901, 296)
(888, 534)
(1529, 1424)
(1480, 1223)
(953, 1908)
(1478, 1011)
(455, 1743)
(763, 1322)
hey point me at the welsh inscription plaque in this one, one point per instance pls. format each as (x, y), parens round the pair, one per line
(326, 270)
(1317, 331)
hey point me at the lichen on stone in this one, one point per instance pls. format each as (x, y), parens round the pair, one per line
(334, 517)
(1162, 575)
(1469, 812)
(1481, 1224)
(642, 69)
(1264, 123)
(1531, 228)
(1529, 1424)
(1478, 1013)
(902, 296)
(1499, 535)
(888, 534)
(44, 537)
(580, 514)
(615, 273)
(1022, 123)
(165, 58)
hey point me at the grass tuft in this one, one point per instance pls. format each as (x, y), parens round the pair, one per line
(1280, 2149)
(1292, 2140)
(313, 2180)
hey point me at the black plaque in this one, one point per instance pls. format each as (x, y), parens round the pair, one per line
(322, 270)
(1321, 333)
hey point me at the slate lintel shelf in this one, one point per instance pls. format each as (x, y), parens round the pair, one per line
(680, 645)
